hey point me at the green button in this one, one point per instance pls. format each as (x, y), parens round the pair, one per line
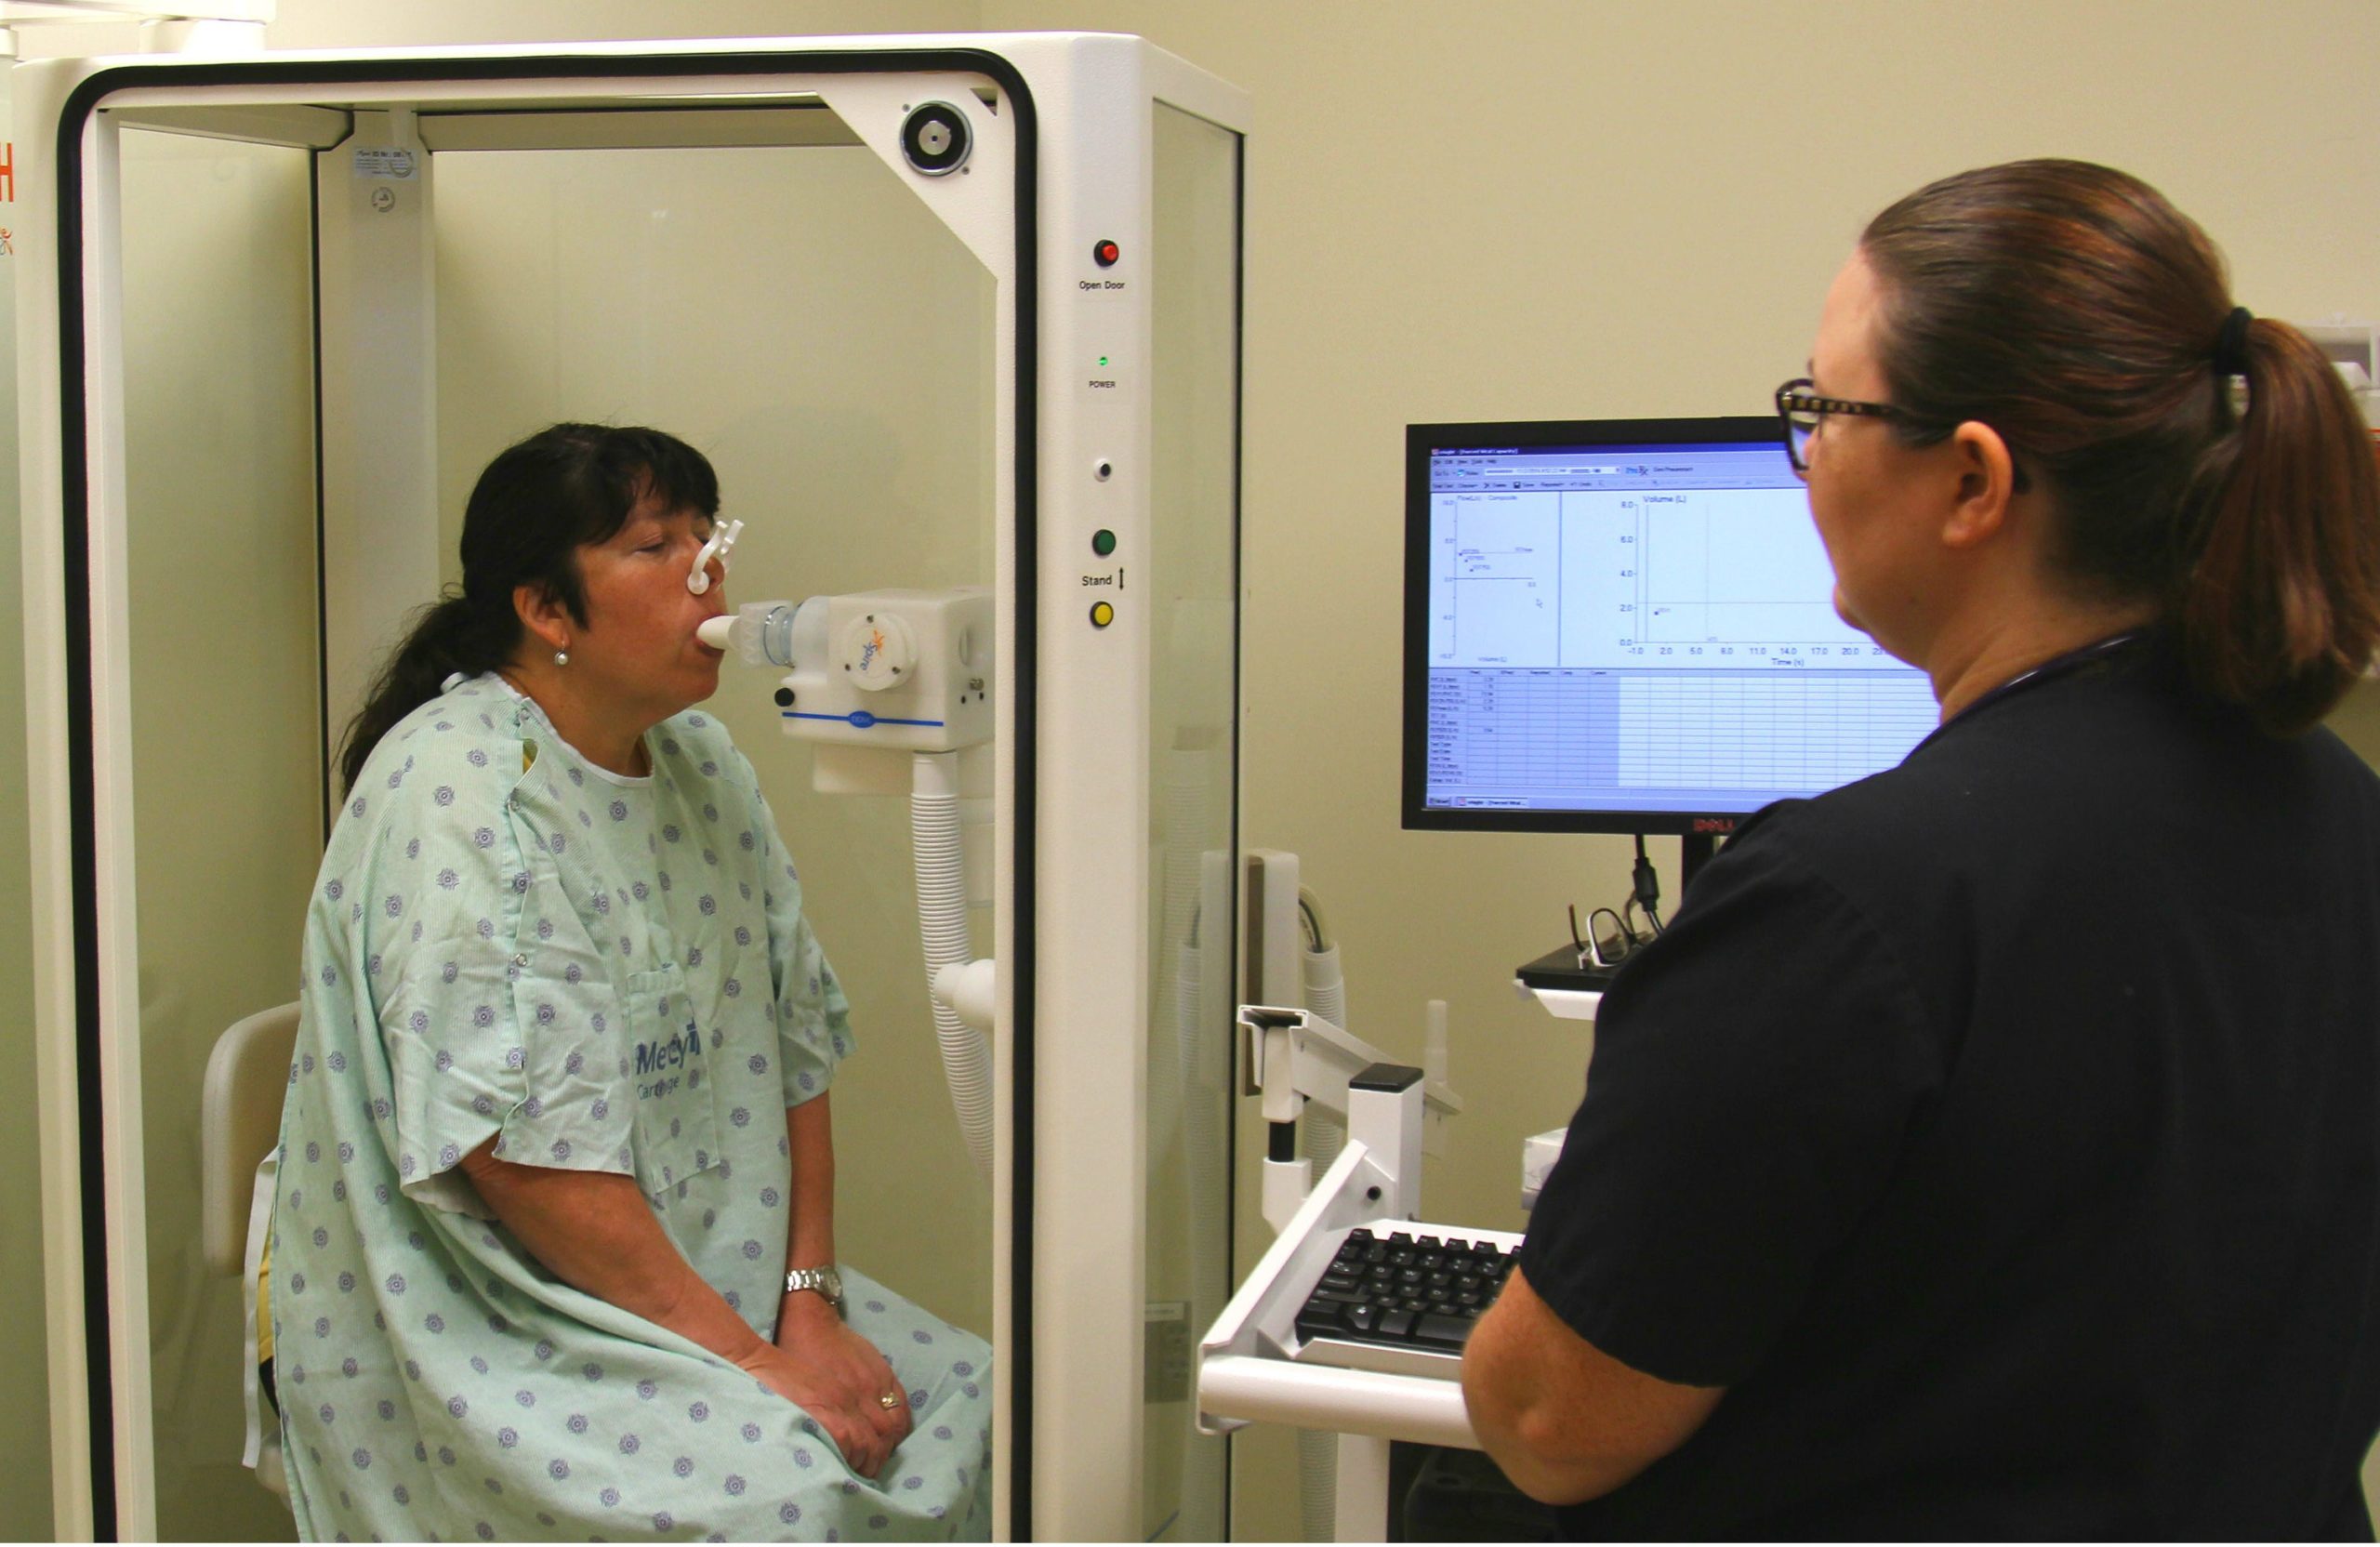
(1103, 542)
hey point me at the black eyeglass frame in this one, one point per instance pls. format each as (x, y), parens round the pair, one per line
(1794, 397)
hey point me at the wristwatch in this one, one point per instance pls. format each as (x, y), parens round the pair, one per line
(822, 1280)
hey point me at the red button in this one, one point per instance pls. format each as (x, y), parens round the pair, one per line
(1105, 254)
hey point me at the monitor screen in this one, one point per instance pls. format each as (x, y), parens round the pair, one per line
(1628, 626)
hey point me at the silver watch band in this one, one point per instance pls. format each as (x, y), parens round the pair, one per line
(826, 1282)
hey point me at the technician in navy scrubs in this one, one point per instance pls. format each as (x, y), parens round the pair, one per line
(1991, 1147)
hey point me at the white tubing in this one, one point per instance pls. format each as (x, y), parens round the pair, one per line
(941, 922)
(1326, 985)
(968, 988)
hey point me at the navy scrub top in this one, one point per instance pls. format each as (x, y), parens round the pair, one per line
(2003, 1133)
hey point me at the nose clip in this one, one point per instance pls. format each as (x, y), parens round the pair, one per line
(720, 543)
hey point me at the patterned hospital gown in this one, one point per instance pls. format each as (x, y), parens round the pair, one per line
(606, 974)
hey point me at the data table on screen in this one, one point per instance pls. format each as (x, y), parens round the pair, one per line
(1795, 732)
(1513, 734)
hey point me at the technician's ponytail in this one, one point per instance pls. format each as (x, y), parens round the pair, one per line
(2079, 314)
(535, 505)
(2279, 599)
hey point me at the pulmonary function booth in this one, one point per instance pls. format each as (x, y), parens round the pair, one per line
(1145, 422)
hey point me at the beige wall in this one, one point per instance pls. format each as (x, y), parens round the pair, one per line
(1556, 210)
(1573, 209)
(1562, 209)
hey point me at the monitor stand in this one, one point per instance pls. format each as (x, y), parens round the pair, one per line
(1560, 969)
(1694, 851)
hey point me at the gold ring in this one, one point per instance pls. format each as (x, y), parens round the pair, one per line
(888, 1400)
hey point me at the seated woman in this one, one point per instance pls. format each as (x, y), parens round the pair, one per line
(554, 1242)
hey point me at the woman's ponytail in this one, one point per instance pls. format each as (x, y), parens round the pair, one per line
(2080, 314)
(2279, 599)
(449, 636)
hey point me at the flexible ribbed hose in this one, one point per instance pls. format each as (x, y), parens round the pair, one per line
(941, 921)
(1326, 985)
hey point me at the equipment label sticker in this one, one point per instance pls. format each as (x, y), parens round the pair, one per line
(384, 163)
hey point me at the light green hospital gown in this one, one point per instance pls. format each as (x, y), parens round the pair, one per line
(606, 974)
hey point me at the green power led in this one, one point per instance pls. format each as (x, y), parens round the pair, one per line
(1103, 542)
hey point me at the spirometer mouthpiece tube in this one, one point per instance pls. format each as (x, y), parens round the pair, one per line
(760, 634)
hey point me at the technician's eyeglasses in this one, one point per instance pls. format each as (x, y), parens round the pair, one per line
(1800, 411)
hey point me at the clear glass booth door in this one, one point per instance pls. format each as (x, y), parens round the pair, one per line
(791, 310)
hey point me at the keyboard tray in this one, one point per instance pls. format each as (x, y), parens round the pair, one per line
(1401, 1298)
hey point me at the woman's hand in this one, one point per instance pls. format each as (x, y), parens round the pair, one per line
(838, 1378)
(595, 1231)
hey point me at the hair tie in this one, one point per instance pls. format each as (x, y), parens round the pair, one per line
(2231, 343)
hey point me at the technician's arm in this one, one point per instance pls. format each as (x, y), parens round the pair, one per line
(1567, 1422)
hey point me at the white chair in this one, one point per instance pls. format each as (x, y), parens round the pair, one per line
(239, 1128)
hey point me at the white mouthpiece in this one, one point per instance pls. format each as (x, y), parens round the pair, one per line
(715, 631)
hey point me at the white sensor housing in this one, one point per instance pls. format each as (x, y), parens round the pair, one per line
(908, 670)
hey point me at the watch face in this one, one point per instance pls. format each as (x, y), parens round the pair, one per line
(831, 1280)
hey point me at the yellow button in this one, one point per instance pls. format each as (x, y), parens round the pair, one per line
(1102, 615)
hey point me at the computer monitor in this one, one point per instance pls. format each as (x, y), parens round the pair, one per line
(1628, 626)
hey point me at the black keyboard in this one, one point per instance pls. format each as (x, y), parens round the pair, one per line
(1404, 1301)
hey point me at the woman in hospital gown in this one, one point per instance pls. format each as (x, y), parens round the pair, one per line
(561, 1021)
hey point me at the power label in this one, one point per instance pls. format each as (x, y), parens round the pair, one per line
(385, 163)
(1105, 375)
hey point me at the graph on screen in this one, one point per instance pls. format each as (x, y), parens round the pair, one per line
(1600, 577)
(1640, 630)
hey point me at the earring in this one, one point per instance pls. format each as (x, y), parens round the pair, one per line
(561, 658)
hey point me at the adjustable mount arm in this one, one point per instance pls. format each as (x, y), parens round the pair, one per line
(1293, 1057)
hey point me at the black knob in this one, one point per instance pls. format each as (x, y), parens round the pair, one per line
(785, 698)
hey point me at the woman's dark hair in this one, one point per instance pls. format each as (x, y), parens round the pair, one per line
(2076, 312)
(537, 504)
